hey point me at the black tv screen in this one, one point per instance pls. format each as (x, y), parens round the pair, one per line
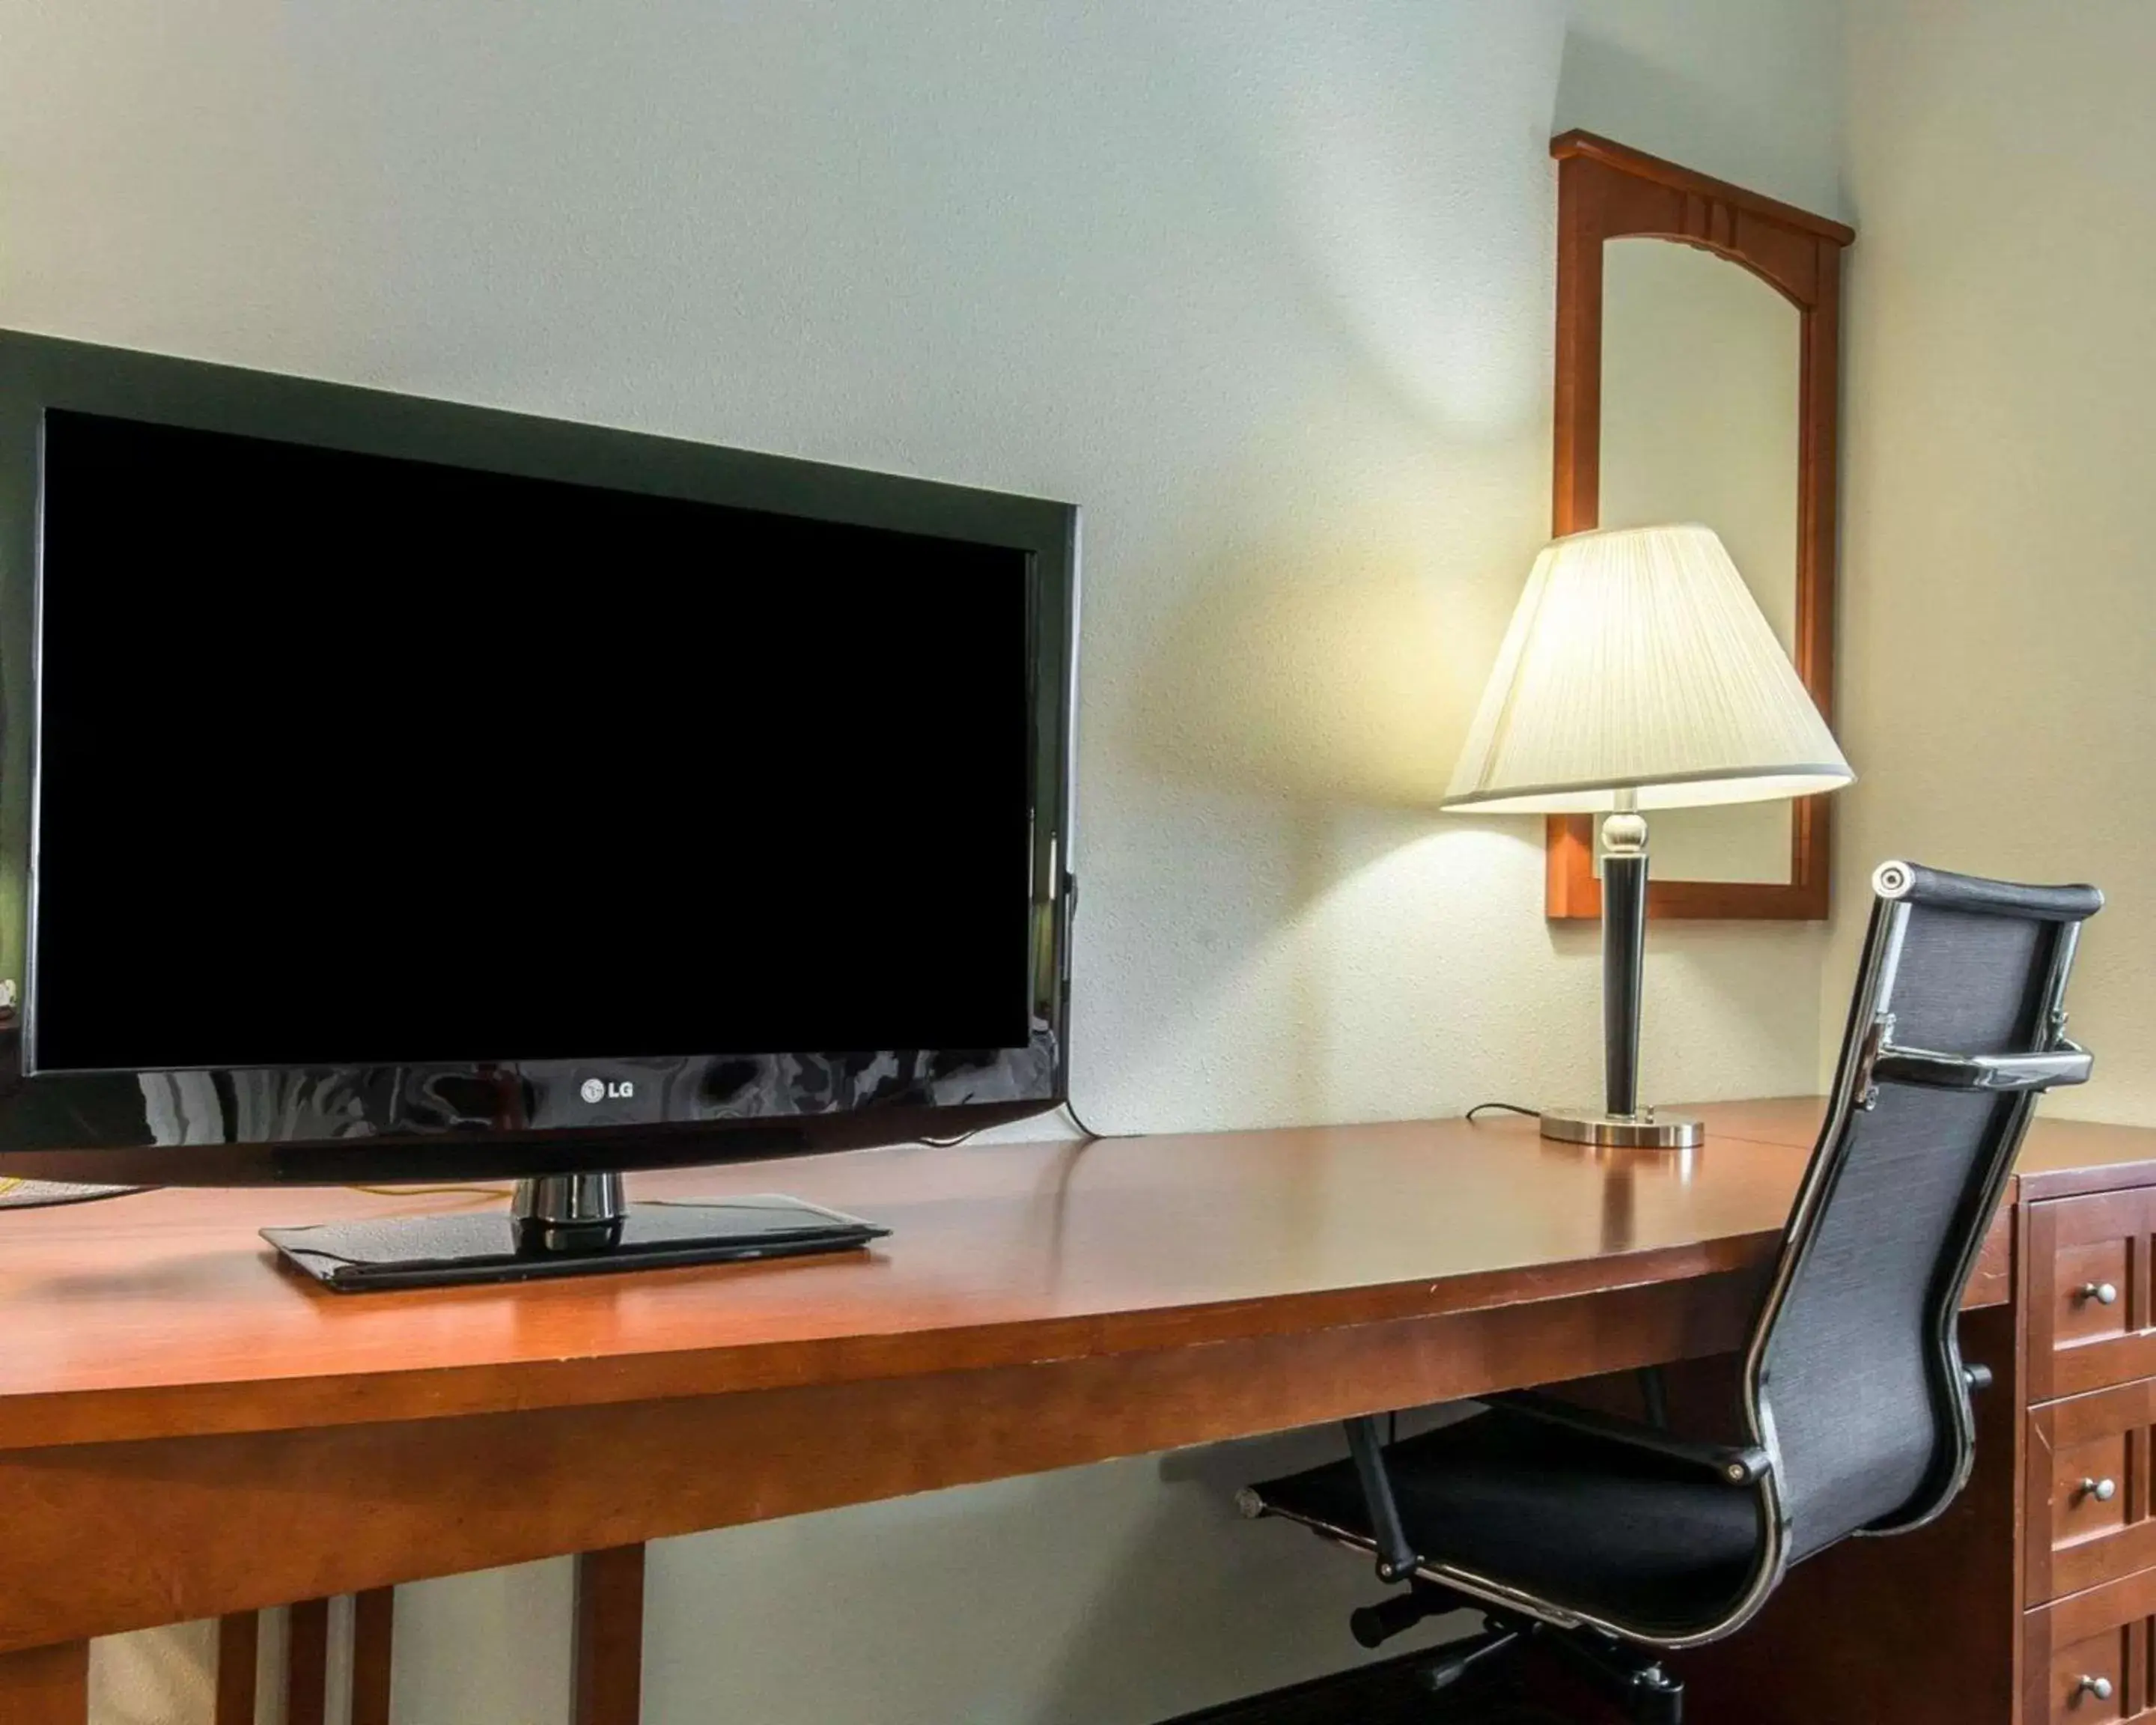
(346, 759)
(392, 789)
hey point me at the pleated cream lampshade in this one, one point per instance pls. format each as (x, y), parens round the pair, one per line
(1638, 660)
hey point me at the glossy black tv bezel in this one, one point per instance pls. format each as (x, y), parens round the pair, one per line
(76, 1125)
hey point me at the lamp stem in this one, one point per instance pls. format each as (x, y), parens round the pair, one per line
(1623, 1124)
(1624, 952)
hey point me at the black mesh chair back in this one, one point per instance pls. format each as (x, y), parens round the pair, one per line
(1854, 1378)
(1612, 1541)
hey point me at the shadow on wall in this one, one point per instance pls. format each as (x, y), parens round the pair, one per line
(1169, 1589)
(152, 1678)
(1621, 92)
(1391, 192)
(1085, 1596)
(1315, 684)
(1344, 680)
(1312, 684)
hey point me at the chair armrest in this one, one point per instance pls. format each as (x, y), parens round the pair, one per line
(1732, 1464)
(2065, 1065)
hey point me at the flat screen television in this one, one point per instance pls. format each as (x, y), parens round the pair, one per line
(397, 790)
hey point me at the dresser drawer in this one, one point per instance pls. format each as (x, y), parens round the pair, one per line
(2086, 1659)
(2089, 1292)
(2089, 1514)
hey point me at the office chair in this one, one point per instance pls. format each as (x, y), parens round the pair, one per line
(1610, 1542)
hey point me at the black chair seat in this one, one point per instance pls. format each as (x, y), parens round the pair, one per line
(1586, 1524)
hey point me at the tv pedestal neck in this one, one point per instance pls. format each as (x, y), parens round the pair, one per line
(569, 1213)
(564, 1224)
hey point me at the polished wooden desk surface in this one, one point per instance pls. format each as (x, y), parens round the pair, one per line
(2060, 1159)
(243, 1438)
(164, 1314)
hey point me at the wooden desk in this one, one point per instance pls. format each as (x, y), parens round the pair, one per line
(185, 1430)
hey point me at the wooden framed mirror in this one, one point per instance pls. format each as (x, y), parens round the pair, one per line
(1698, 365)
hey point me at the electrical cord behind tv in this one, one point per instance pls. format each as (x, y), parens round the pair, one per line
(1088, 1131)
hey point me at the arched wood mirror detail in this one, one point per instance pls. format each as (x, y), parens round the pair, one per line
(1698, 381)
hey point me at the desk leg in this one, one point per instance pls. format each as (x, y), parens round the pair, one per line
(373, 1618)
(306, 1662)
(46, 1685)
(608, 1681)
(238, 1636)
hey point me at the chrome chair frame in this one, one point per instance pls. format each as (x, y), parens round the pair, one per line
(1870, 1059)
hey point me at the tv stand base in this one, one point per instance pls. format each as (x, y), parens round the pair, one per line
(564, 1224)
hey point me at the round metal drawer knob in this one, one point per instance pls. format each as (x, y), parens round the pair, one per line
(2099, 1687)
(2103, 1490)
(2102, 1292)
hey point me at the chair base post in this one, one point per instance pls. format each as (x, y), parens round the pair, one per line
(1461, 1657)
(1633, 1678)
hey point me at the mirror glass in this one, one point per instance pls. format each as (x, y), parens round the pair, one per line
(1699, 424)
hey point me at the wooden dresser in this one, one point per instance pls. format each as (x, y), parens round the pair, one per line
(2087, 1226)
(2033, 1602)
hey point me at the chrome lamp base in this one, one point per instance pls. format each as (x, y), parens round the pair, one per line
(1645, 1129)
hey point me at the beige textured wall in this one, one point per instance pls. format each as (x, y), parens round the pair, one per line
(1998, 652)
(1267, 289)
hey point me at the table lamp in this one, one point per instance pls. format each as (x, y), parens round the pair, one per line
(1638, 673)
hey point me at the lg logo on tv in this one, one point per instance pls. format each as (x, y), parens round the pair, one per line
(598, 1090)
